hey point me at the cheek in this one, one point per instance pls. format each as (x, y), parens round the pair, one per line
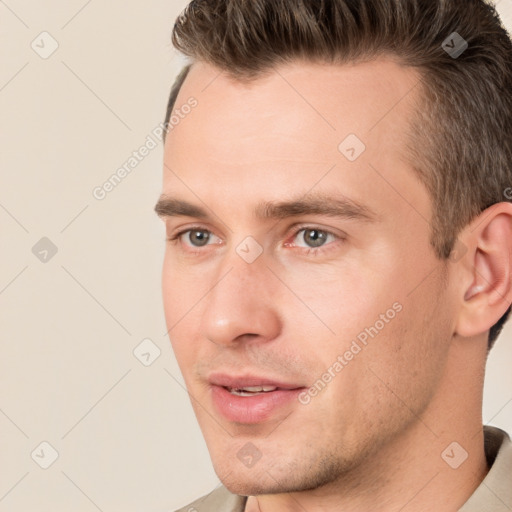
(385, 383)
(181, 295)
(182, 289)
(404, 362)
(388, 337)
(340, 302)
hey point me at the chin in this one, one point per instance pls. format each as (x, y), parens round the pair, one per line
(243, 486)
(267, 478)
(246, 481)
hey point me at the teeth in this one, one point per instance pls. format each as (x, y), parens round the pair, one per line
(251, 390)
(258, 389)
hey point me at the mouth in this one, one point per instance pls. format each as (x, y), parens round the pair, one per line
(252, 399)
(251, 390)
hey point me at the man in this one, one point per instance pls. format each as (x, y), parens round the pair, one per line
(339, 250)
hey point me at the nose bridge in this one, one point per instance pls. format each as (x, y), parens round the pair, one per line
(241, 301)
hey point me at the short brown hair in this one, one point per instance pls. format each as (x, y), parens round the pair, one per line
(460, 141)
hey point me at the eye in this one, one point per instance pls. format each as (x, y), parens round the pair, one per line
(195, 237)
(312, 238)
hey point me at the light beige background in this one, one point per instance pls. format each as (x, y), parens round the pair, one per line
(125, 434)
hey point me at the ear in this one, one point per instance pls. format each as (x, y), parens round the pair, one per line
(486, 291)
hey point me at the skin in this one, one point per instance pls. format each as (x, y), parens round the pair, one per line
(373, 438)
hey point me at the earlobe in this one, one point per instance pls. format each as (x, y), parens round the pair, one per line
(489, 261)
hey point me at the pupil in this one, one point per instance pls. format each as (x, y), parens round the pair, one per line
(199, 238)
(314, 237)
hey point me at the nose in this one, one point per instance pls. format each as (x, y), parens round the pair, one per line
(241, 305)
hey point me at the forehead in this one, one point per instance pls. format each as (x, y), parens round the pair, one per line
(286, 131)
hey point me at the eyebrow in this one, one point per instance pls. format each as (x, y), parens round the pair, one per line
(310, 204)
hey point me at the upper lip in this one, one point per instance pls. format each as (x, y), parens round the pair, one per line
(243, 381)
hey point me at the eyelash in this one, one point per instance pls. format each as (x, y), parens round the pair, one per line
(307, 251)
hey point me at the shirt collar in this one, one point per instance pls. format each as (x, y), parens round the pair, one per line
(494, 494)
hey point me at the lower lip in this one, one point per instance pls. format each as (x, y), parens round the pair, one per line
(252, 409)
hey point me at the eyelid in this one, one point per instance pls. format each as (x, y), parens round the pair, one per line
(183, 228)
(305, 226)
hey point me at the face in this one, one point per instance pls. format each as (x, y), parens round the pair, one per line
(298, 265)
